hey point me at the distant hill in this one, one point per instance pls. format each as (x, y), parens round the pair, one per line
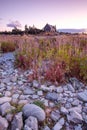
(73, 30)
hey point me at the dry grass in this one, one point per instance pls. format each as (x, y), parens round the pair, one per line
(52, 56)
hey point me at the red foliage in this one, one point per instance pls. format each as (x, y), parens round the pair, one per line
(55, 73)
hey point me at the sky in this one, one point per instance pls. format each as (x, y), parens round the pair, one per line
(62, 13)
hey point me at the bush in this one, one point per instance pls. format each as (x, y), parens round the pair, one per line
(55, 73)
(8, 47)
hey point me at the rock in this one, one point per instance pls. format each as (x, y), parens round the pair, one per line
(85, 110)
(20, 82)
(75, 102)
(51, 104)
(68, 105)
(15, 96)
(76, 83)
(14, 101)
(35, 84)
(70, 100)
(7, 94)
(23, 102)
(26, 127)
(33, 110)
(46, 128)
(59, 124)
(28, 91)
(35, 96)
(74, 116)
(45, 88)
(6, 108)
(63, 110)
(17, 122)
(14, 79)
(55, 115)
(83, 96)
(52, 96)
(78, 127)
(32, 123)
(52, 88)
(3, 123)
(9, 117)
(59, 89)
(70, 88)
(46, 103)
(40, 93)
(4, 99)
(77, 109)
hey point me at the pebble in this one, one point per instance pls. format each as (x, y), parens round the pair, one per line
(67, 103)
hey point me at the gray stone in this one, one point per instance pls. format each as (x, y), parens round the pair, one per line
(85, 110)
(46, 128)
(7, 93)
(55, 115)
(39, 93)
(68, 105)
(20, 82)
(3, 123)
(27, 127)
(35, 84)
(14, 101)
(78, 127)
(33, 110)
(35, 96)
(77, 109)
(70, 88)
(51, 104)
(15, 96)
(52, 88)
(59, 124)
(83, 96)
(75, 102)
(59, 89)
(9, 117)
(14, 79)
(74, 116)
(6, 108)
(63, 110)
(70, 100)
(76, 83)
(52, 96)
(23, 102)
(45, 88)
(28, 91)
(17, 122)
(32, 123)
(46, 103)
(4, 99)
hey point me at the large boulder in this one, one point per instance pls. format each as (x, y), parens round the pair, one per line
(33, 110)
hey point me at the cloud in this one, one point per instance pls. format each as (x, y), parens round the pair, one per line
(0, 19)
(14, 24)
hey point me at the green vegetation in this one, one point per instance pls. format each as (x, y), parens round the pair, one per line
(40, 104)
(7, 47)
(53, 59)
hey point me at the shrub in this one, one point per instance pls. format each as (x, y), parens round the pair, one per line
(55, 73)
(8, 47)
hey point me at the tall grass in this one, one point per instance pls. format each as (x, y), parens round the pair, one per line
(54, 59)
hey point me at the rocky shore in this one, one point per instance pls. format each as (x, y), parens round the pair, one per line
(65, 106)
